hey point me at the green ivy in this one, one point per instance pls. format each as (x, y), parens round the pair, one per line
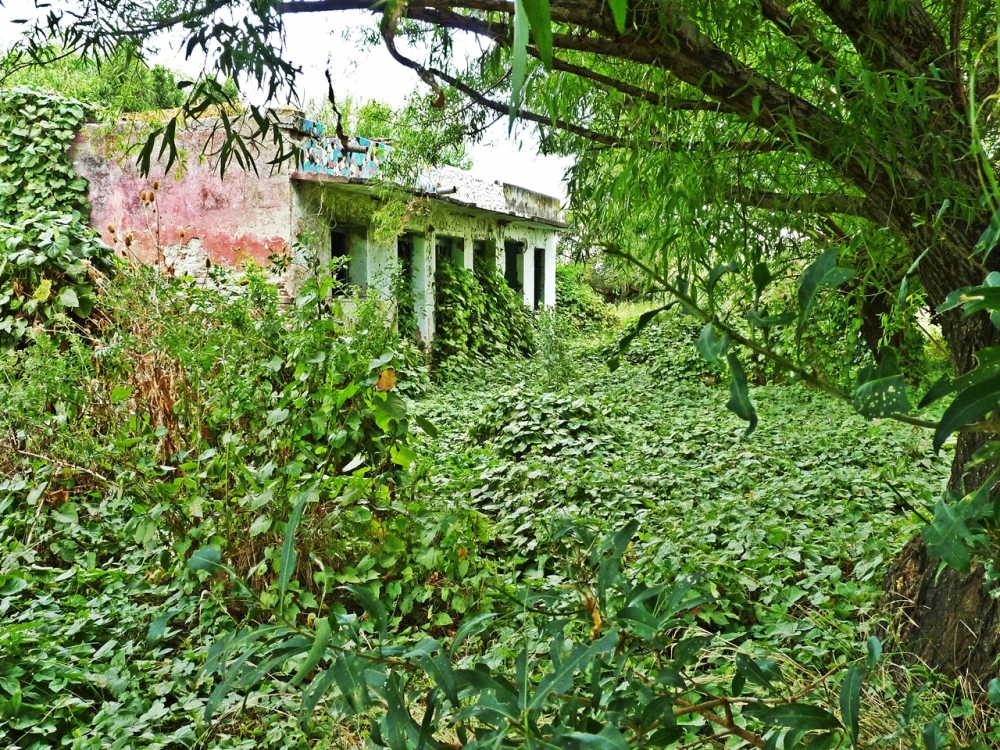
(478, 315)
(50, 259)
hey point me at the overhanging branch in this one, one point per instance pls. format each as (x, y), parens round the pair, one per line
(814, 203)
(428, 75)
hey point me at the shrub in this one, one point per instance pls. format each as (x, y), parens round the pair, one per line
(579, 303)
(51, 262)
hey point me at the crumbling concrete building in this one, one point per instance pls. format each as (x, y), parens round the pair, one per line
(321, 207)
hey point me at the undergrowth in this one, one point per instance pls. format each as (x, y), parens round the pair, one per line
(228, 525)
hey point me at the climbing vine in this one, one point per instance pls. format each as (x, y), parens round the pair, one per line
(478, 314)
(51, 261)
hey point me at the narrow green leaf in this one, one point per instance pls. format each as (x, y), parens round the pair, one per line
(823, 272)
(739, 394)
(519, 67)
(799, 716)
(207, 558)
(762, 277)
(375, 609)
(716, 274)
(640, 324)
(427, 426)
(850, 701)
(320, 685)
(967, 407)
(349, 676)
(874, 652)
(540, 20)
(752, 671)
(288, 555)
(561, 677)
(317, 652)
(948, 536)
(471, 625)
(711, 346)
(619, 9)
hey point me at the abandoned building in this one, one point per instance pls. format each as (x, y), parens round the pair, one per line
(327, 203)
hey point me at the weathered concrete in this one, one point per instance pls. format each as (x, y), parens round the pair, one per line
(192, 218)
(228, 219)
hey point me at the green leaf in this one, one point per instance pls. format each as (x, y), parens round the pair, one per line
(752, 671)
(609, 738)
(823, 272)
(948, 537)
(68, 298)
(427, 426)
(717, 273)
(317, 652)
(288, 554)
(799, 716)
(260, 525)
(519, 67)
(470, 626)
(762, 277)
(711, 346)
(850, 701)
(312, 695)
(993, 691)
(208, 559)
(874, 652)
(541, 27)
(349, 676)
(770, 321)
(988, 239)
(619, 9)
(967, 407)
(158, 628)
(375, 609)
(882, 392)
(560, 679)
(640, 324)
(739, 394)
(933, 739)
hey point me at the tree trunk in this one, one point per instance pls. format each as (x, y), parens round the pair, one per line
(948, 621)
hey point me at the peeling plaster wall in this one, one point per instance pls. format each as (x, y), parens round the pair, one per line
(198, 217)
(321, 206)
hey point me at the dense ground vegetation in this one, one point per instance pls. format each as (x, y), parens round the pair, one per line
(199, 487)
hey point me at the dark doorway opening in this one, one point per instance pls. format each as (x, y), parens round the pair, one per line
(539, 277)
(340, 254)
(406, 301)
(513, 270)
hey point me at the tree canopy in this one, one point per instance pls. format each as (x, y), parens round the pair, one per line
(724, 142)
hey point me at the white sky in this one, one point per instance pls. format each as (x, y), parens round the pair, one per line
(316, 39)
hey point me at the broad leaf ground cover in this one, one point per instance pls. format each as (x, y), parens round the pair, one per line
(174, 543)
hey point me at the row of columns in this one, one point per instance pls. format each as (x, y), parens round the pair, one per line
(375, 267)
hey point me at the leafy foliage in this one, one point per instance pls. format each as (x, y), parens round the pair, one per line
(478, 315)
(578, 302)
(122, 83)
(51, 262)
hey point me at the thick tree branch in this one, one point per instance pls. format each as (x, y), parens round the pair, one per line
(814, 203)
(429, 74)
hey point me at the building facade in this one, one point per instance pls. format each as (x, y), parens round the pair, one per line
(314, 211)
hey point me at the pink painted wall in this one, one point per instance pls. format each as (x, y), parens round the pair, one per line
(198, 217)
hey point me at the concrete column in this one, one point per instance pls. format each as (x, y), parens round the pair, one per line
(381, 265)
(529, 274)
(550, 269)
(423, 285)
(468, 253)
(357, 247)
